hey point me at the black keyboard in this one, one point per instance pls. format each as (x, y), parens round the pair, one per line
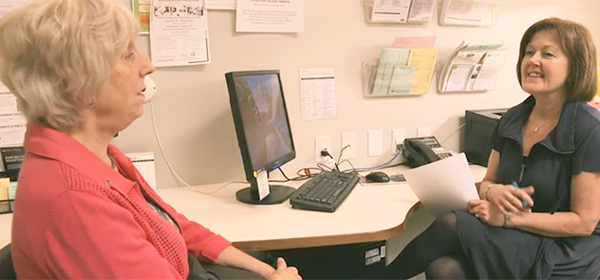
(324, 192)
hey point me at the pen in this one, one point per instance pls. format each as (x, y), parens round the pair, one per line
(522, 200)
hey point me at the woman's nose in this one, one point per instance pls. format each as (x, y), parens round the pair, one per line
(147, 67)
(535, 59)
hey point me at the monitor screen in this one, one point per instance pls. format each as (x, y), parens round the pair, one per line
(262, 126)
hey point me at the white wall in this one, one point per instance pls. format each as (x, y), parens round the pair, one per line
(192, 108)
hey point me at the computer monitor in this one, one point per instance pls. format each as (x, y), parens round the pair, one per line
(262, 128)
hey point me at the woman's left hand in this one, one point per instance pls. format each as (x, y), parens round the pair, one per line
(486, 212)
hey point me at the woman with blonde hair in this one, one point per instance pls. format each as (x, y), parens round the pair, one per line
(82, 209)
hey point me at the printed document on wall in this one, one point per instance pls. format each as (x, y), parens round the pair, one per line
(8, 5)
(277, 16)
(179, 33)
(317, 94)
(12, 122)
(144, 163)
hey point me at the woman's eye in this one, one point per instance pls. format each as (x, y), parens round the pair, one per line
(129, 55)
(528, 52)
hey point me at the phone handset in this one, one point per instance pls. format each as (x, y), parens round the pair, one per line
(150, 90)
(423, 150)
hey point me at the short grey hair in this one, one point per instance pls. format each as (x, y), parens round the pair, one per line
(56, 54)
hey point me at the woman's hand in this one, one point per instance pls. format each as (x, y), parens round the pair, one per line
(509, 199)
(487, 212)
(283, 272)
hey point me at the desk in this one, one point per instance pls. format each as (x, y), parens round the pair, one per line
(369, 213)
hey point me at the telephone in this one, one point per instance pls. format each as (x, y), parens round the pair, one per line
(423, 150)
(150, 90)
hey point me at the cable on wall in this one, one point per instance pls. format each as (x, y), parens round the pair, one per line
(162, 151)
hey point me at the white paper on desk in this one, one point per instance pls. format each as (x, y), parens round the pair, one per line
(443, 185)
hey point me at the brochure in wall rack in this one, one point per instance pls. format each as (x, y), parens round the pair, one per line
(472, 68)
(469, 12)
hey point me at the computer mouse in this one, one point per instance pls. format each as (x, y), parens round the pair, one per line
(378, 176)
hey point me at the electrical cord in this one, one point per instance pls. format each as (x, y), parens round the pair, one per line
(220, 187)
(384, 165)
(300, 177)
(162, 151)
(454, 132)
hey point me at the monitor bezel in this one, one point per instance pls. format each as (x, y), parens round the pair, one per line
(238, 121)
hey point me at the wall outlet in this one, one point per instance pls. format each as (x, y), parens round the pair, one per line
(321, 143)
(348, 139)
(398, 136)
(375, 142)
(423, 131)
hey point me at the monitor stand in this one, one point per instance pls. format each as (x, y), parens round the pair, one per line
(278, 194)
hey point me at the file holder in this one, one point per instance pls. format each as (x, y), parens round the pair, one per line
(417, 12)
(472, 68)
(6, 206)
(7, 194)
(475, 13)
(399, 72)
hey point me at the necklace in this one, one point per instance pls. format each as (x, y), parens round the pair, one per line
(112, 161)
(535, 129)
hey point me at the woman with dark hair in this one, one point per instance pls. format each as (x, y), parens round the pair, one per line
(538, 212)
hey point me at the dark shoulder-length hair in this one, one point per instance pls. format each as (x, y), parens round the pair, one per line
(579, 47)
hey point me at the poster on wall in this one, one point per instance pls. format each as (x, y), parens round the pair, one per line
(12, 122)
(277, 16)
(179, 33)
(141, 10)
(8, 5)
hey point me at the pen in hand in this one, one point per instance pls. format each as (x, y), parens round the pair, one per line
(522, 200)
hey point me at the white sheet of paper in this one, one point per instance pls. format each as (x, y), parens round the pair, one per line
(144, 162)
(9, 5)
(390, 11)
(317, 94)
(421, 11)
(486, 78)
(12, 123)
(178, 33)
(262, 181)
(443, 185)
(468, 11)
(457, 80)
(270, 16)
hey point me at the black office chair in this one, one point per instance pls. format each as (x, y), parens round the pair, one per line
(7, 271)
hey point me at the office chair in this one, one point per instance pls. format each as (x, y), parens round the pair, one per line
(7, 271)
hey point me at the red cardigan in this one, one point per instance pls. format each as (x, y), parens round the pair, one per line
(76, 217)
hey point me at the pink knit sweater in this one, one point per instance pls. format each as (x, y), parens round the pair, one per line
(76, 217)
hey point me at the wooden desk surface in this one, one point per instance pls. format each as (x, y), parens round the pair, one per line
(370, 213)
